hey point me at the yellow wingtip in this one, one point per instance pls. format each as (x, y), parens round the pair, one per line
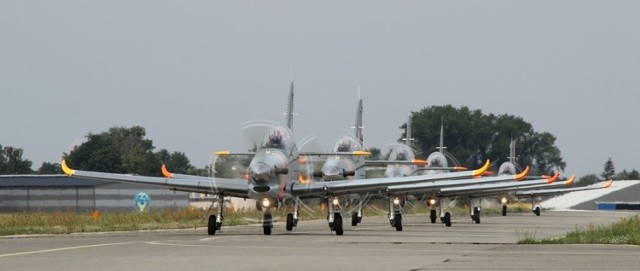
(222, 153)
(66, 168)
(481, 170)
(522, 174)
(361, 153)
(608, 184)
(570, 180)
(165, 172)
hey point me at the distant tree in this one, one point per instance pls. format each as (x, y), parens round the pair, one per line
(634, 175)
(49, 168)
(609, 170)
(375, 153)
(176, 162)
(11, 161)
(119, 150)
(587, 180)
(472, 137)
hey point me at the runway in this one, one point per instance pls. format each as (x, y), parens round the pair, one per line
(372, 246)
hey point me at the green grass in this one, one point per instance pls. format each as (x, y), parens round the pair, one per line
(67, 222)
(624, 232)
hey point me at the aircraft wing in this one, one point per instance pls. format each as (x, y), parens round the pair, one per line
(376, 184)
(384, 163)
(438, 185)
(551, 192)
(498, 188)
(231, 187)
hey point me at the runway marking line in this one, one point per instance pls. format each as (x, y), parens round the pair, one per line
(61, 249)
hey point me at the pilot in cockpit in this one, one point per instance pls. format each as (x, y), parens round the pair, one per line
(275, 140)
(344, 146)
(401, 155)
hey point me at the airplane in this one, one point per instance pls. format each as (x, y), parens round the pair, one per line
(273, 178)
(535, 194)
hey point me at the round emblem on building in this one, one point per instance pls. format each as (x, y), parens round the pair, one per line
(141, 201)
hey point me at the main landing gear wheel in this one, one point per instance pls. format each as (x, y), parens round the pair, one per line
(447, 219)
(354, 219)
(397, 222)
(290, 222)
(267, 224)
(537, 210)
(211, 225)
(476, 215)
(504, 210)
(433, 216)
(337, 224)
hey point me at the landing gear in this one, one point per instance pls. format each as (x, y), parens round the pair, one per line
(267, 222)
(504, 210)
(476, 215)
(447, 219)
(433, 215)
(292, 218)
(536, 210)
(337, 224)
(396, 212)
(475, 209)
(397, 221)
(334, 216)
(354, 219)
(215, 222)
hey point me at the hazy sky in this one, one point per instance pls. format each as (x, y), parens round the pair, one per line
(191, 72)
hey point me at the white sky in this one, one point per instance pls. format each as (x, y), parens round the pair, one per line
(191, 72)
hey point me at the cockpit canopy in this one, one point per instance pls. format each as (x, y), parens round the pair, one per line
(346, 144)
(507, 168)
(401, 153)
(437, 159)
(277, 138)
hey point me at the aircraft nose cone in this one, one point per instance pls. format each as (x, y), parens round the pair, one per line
(260, 172)
(330, 173)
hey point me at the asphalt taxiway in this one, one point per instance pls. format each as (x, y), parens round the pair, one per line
(374, 245)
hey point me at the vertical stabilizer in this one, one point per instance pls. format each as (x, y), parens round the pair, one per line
(441, 147)
(408, 140)
(290, 108)
(512, 151)
(359, 126)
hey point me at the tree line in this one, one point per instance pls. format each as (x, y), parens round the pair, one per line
(471, 137)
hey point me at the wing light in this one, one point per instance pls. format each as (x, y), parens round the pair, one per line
(608, 184)
(522, 174)
(166, 172)
(222, 153)
(361, 153)
(459, 168)
(553, 178)
(570, 180)
(481, 170)
(66, 168)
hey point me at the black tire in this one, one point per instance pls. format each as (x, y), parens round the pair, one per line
(354, 219)
(267, 224)
(504, 210)
(537, 211)
(337, 224)
(447, 219)
(397, 221)
(477, 216)
(211, 226)
(433, 215)
(289, 222)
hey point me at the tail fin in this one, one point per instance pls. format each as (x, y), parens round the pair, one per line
(442, 147)
(290, 108)
(512, 152)
(408, 140)
(359, 126)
